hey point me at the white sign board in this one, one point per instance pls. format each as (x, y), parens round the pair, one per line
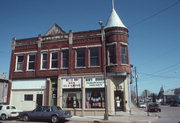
(95, 82)
(29, 84)
(71, 83)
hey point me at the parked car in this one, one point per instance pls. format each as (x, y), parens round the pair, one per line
(174, 104)
(45, 113)
(142, 105)
(154, 107)
(8, 111)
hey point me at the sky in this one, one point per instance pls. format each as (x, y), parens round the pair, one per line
(154, 31)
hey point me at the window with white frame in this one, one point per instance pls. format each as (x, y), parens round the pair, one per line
(65, 55)
(124, 54)
(44, 60)
(80, 59)
(111, 54)
(31, 61)
(19, 62)
(94, 56)
(54, 60)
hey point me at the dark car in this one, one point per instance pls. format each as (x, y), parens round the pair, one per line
(174, 104)
(153, 108)
(45, 113)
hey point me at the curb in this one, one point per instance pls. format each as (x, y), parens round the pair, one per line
(123, 120)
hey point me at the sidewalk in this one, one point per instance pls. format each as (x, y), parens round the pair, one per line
(137, 116)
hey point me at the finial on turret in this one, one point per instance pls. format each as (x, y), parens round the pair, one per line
(112, 4)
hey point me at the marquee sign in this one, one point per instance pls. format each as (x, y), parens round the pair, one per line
(95, 82)
(71, 83)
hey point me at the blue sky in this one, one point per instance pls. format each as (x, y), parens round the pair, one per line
(154, 44)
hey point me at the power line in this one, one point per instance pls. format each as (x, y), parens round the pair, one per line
(159, 76)
(150, 75)
(155, 14)
(165, 70)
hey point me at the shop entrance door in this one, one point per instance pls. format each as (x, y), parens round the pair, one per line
(39, 99)
(119, 100)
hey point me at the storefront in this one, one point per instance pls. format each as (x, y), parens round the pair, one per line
(28, 93)
(85, 95)
(82, 94)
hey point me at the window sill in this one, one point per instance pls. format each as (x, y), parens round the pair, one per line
(43, 69)
(53, 69)
(80, 67)
(30, 70)
(112, 65)
(125, 64)
(93, 66)
(64, 68)
(18, 71)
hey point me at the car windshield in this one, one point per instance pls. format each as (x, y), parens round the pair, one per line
(141, 103)
(13, 107)
(0, 107)
(38, 109)
(59, 108)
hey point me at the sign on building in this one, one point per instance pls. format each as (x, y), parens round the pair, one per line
(71, 83)
(95, 82)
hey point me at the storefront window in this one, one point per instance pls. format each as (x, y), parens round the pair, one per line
(72, 99)
(95, 92)
(72, 94)
(95, 98)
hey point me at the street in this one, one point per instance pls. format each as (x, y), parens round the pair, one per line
(167, 115)
(17, 121)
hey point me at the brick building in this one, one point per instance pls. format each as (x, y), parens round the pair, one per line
(67, 69)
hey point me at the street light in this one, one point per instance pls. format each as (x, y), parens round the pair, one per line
(104, 68)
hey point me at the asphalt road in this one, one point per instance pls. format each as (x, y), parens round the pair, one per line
(16, 121)
(167, 115)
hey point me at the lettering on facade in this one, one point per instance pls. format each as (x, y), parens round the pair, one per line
(55, 37)
(71, 83)
(97, 82)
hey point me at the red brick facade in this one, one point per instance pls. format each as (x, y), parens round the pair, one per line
(84, 39)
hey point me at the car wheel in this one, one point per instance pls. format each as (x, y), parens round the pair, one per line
(3, 117)
(26, 118)
(54, 119)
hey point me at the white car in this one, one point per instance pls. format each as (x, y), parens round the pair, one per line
(142, 105)
(8, 111)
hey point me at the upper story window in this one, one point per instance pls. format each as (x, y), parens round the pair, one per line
(124, 54)
(19, 62)
(44, 60)
(31, 62)
(111, 54)
(80, 61)
(65, 55)
(94, 56)
(54, 60)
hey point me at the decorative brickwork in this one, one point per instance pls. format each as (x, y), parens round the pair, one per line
(84, 39)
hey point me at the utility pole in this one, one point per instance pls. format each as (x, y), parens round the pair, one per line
(146, 103)
(104, 68)
(136, 77)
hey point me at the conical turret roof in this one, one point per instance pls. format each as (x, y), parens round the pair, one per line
(114, 20)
